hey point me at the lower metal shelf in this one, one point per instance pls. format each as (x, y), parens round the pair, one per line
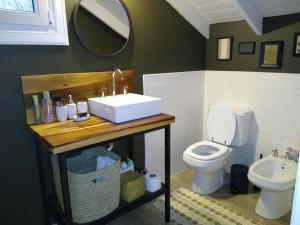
(58, 215)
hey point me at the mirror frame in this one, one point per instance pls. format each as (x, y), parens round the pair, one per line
(220, 47)
(249, 47)
(279, 54)
(75, 11)
(296, 43)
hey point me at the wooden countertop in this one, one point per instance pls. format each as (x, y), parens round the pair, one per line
(65, 136)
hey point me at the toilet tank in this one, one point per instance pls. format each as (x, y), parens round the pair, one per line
(243, 119)
(228, 125)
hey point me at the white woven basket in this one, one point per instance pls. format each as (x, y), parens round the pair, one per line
(91, 198)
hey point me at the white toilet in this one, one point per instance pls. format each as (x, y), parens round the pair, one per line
(226, 129)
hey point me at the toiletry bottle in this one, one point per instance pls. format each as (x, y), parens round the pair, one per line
(37, 114)
(48, 113)
(71, 108)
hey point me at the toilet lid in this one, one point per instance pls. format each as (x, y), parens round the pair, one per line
(221, 124)
(206, 150)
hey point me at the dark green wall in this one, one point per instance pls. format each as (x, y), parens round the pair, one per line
(275, 29)
(162, 41)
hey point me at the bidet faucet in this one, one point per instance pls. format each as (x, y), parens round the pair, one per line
(287, 155)
(275, 152)
(113, 80)
(292, 154)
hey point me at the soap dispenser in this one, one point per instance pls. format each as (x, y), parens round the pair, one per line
(71, 108)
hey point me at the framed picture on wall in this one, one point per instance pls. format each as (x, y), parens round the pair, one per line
(296, 48)
(246, 47)
(224, 48)
(271, 54)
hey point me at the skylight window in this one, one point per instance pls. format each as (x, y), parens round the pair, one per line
(17, 5)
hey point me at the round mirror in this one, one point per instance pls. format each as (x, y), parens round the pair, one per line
(102, 26)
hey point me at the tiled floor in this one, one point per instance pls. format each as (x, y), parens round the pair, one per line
(245, 203)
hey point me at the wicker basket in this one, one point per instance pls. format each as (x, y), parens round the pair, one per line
(90, 198)
(132, 186)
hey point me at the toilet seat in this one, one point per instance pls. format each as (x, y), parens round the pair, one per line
(221, 124)
(206, 150)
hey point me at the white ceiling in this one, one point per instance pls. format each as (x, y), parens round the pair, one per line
(202, 13)
(216, 11)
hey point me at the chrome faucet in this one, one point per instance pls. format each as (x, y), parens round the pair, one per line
(292, 154)
(113, 80)
(102, 91)
(275, 152)
(287, 155)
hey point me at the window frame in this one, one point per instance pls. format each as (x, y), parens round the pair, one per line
(54, 32)
(15, 19)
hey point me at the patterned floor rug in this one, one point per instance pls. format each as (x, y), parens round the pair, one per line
(190, 208)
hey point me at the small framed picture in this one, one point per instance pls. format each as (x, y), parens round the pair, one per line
(247, 48)
(224, 48)
(296, 48)
(271, 54)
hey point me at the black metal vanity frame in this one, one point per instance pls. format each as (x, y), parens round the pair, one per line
(50, 203)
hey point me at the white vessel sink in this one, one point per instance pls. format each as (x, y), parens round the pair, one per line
(125, 107)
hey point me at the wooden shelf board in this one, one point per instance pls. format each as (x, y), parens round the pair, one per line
(65, 136)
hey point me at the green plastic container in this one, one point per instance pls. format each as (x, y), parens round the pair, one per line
(132, 186)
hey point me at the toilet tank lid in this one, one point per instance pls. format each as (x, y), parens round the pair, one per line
(241, 111)
(221, 124)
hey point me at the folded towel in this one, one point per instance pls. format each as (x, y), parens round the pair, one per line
(129, 166)
(104, 161)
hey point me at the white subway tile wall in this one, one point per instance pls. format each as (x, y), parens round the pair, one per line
(182, 95)
(274, 100)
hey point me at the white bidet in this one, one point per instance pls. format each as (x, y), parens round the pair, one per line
(276, 178)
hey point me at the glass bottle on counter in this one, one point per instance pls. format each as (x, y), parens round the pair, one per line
(48, 112)
(36, 110)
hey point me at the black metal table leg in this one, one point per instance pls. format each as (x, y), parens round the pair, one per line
(167, 173)
(41, 171)
(131, 147)
(62, 160)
